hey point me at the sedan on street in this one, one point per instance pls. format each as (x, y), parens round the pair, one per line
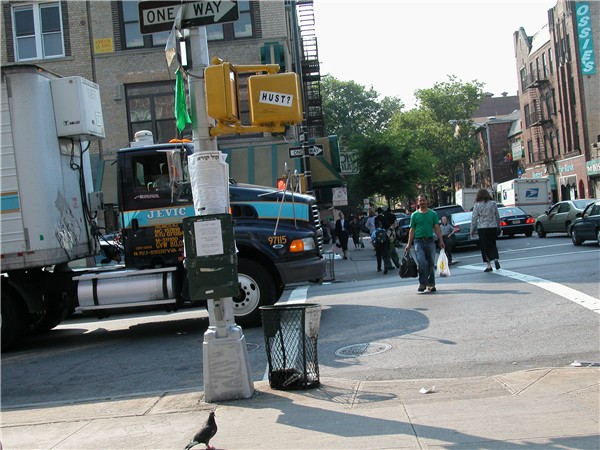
(560, 217)
(514, 220)
(587, 227)
(461, 222)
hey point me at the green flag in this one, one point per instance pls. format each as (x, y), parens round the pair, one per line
(182, 117)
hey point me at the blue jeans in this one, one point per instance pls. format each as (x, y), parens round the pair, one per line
(425, 250)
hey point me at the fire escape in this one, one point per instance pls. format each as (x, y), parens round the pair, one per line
(310, 69)
(539, 121)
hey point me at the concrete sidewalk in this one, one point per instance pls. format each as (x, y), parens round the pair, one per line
(546, 408)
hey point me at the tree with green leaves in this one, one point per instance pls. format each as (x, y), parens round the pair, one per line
(449, 104)
(351, 109)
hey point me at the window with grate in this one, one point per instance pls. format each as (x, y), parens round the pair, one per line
(151, 106)
(38, 31)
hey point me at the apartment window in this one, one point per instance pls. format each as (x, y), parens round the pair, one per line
(240, 29)
(132, 37)
(537, 69)
(552, 144)
(577, 143)
(530, 151)
(523, 79)
(150, 106)
(37, 31)
(544, 66)
(557, 142)
(550, 61)
(553, 101)
(527, 117)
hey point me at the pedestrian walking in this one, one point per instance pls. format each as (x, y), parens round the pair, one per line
(354, 228)
(392, 244)
(380, 220)
(342, 232)
(331, 225)
(380, 240)
(447, 232)
(423, 224)
(370, 222)
(486, 221)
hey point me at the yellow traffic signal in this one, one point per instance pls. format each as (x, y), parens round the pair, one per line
(222, 92)
(275, 99)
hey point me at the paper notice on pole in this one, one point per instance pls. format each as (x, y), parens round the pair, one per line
(209, 177)
(209, 237)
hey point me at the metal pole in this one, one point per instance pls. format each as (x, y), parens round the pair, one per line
(226, 367)
(489, 149)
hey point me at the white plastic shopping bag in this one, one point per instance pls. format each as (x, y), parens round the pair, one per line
(443, 269)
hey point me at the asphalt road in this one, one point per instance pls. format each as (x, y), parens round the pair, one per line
(532, 313)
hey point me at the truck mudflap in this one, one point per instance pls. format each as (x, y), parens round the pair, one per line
(299, 271)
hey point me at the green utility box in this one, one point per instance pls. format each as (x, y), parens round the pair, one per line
(210, 257)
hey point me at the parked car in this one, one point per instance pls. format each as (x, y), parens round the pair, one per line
(403, 228)
(587, 227)
(514, 220)
(461, 221)
(560, 217)
(447, 210)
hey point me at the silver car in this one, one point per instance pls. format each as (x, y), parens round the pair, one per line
(560, 217)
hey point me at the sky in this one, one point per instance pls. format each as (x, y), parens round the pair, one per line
(400, 46)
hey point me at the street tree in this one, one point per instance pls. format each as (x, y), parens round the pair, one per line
(450, 106)
(353, 110)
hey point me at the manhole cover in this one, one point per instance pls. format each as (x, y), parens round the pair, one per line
(250, 347)
(371, 348)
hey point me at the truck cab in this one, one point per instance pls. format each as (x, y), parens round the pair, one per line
(277, 233)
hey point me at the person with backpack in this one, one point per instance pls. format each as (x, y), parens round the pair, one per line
(381, 242)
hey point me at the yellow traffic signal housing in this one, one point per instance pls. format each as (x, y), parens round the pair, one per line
(275, 99)
(222, 92)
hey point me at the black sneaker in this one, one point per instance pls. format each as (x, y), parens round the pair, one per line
(497, 264)
(421, 288)
(431, 288)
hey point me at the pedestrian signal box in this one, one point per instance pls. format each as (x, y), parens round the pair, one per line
(222, 93)
(275, 99)
(282, 183)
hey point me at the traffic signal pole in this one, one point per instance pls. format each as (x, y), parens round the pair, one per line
(226, 367)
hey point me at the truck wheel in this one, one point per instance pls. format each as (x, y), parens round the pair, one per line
(539, 229)
(49, 319)
(256, 289)
(13, 320)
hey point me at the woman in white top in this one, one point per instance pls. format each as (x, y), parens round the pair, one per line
(486, 220)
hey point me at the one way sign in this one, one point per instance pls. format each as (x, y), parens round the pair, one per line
(315, 150)
(158, 16)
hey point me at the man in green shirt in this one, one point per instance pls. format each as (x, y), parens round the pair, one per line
(423, 223)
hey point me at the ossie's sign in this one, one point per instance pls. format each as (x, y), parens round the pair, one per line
(584, 34)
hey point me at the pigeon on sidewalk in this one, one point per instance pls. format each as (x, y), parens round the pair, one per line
(205, 434)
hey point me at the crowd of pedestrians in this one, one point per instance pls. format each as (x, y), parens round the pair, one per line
(426, 233)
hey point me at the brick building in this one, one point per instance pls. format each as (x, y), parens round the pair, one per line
(560, 110)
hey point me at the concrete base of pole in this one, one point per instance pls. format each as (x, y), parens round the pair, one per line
(227, 374)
